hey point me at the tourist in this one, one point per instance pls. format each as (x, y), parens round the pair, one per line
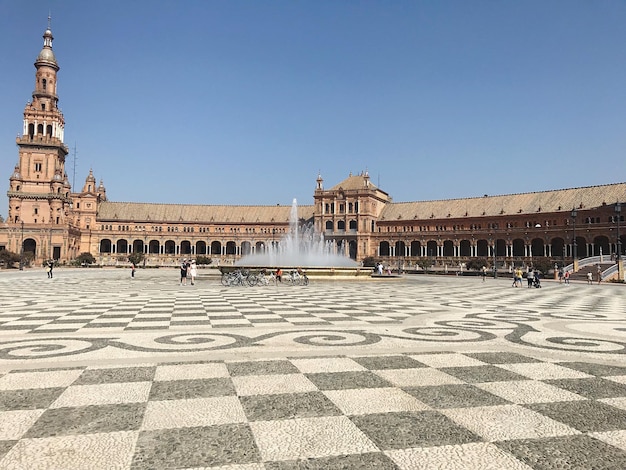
(279, 275)
(193, 271)
(133, 268)
(484, 273)
(589, 278)
(566, 277)
(49, 268)
(530, 277)
(599, 273)
(560, 275)
(183, 273)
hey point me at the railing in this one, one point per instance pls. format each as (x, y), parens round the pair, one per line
(588, 262)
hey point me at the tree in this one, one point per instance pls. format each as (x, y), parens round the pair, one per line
(204, 260)
(136, 258)
(8, 258)
(425, 263)
(476, 264)
(85, 259)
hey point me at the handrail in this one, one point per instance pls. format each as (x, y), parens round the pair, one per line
(588, 262)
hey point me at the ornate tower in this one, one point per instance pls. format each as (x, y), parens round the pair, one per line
(39, 193)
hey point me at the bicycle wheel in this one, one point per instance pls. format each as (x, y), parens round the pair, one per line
(225, 280)
(304, 280)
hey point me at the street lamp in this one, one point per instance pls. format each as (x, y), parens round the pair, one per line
(22, 249)
(574, 214)
(618, 213)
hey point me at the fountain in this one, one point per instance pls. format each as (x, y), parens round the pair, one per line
(303, 247)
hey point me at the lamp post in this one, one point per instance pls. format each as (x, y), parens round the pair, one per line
(145, 249)
(620, 262)
(574, 214)
(618, 214)
(22, 249)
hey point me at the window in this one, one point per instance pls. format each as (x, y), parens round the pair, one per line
(37, 166)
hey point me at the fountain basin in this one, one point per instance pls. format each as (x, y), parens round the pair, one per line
(340, 272)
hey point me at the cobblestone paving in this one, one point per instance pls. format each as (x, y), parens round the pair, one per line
(99, 371)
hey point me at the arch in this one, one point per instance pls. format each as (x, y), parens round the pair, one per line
(519, 247)
(601, 243)
(246, 248)
(558, 247)
(105, 245)
(260, 247)
(400, 248)
(537, 246)
(49, 130)
(352, 249)
(138, 246)
(482, 248)
(170, 247)
(153, 247)
(500, 247)
(383, 249)
(31, 130)
(40, 129)
(448, 248)
(121, 246)
(329, 225)
(416, 248)
(201, 248)
(185, 247)
(352, 225)
(431, 248)
(231, 248)
(465, 248)
(30, 248)
(341, 225)
(216, 248)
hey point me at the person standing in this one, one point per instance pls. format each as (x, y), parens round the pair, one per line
(599, 274)
(49, 267)
(133, 268)
(589, 278)
(566, 276)
(183, 273)
(193, 271)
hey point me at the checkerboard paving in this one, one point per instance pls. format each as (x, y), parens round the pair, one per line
(483, 410)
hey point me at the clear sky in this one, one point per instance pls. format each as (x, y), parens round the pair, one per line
(244, 102)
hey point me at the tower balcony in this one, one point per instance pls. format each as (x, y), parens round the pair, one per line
(41, 140)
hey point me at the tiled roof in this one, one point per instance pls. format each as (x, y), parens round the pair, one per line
(173, 213)
(561, 200)
(355, 182)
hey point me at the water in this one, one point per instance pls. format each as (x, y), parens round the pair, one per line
(302, 246)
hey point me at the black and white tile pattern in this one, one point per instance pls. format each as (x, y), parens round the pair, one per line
(101, 371)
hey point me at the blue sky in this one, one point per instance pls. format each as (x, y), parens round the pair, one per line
(244, 102)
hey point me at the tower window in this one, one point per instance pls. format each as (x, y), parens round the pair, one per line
(43, 106)
(44, 82)
(37, 166)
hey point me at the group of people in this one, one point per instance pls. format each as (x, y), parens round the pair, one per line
(533, 277)
(188, 269)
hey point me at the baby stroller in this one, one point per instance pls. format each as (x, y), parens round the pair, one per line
(536, 280)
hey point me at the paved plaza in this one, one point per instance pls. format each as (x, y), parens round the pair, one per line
(101, 371)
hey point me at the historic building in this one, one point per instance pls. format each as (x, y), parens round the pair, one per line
(47, 219)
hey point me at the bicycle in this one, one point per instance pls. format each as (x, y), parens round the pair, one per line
(298, 278)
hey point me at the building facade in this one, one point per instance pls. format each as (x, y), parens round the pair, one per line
(47, 219)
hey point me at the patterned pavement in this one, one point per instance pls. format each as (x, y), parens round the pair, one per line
(101, 371)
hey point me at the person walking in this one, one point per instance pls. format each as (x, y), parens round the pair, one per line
(599, 274)
(566, 277)
(133, 268)
(589, 278)
(193, 271)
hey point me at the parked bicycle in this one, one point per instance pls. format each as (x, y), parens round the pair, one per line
(297, 277)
